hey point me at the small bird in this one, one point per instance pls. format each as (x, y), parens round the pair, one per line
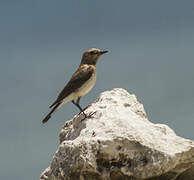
(81, 82)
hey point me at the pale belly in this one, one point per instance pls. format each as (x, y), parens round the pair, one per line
(87, 86)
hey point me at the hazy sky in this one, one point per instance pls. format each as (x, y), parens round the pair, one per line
(151, 54)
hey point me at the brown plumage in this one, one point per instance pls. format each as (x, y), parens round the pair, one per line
(80, 83)
(82, 75)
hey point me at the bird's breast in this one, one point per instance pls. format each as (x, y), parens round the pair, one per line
(87, 86)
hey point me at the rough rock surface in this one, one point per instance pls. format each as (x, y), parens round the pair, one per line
(119, 143)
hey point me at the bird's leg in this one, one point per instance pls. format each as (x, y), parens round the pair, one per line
(79, 107)
(91, 113)
(78, 100)
(82, 110)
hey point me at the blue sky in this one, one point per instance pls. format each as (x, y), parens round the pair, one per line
(151, 54)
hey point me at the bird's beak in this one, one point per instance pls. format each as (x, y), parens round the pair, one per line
(103, 52)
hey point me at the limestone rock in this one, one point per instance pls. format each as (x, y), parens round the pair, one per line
(119, 143)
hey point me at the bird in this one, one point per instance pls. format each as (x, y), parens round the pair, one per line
(81, 82)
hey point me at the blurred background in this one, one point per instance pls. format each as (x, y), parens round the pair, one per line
(151, 54)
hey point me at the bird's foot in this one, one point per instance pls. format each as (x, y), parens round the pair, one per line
(88, 116)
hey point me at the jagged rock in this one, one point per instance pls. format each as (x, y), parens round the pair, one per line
(119, 143)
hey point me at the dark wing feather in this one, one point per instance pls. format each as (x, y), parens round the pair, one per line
(50, 113)
(76, 81)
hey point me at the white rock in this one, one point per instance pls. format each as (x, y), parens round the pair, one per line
(119, 143)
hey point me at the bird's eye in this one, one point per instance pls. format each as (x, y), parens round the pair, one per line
(93, 52)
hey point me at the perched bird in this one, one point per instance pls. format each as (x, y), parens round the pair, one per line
(81, 82)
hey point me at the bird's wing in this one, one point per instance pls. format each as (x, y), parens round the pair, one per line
(77, 80)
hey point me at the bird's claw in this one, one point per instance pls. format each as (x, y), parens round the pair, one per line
(88, 116)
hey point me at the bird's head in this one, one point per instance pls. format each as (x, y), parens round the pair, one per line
(91, 56)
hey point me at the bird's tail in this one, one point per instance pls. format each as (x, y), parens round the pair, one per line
(50, 113)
